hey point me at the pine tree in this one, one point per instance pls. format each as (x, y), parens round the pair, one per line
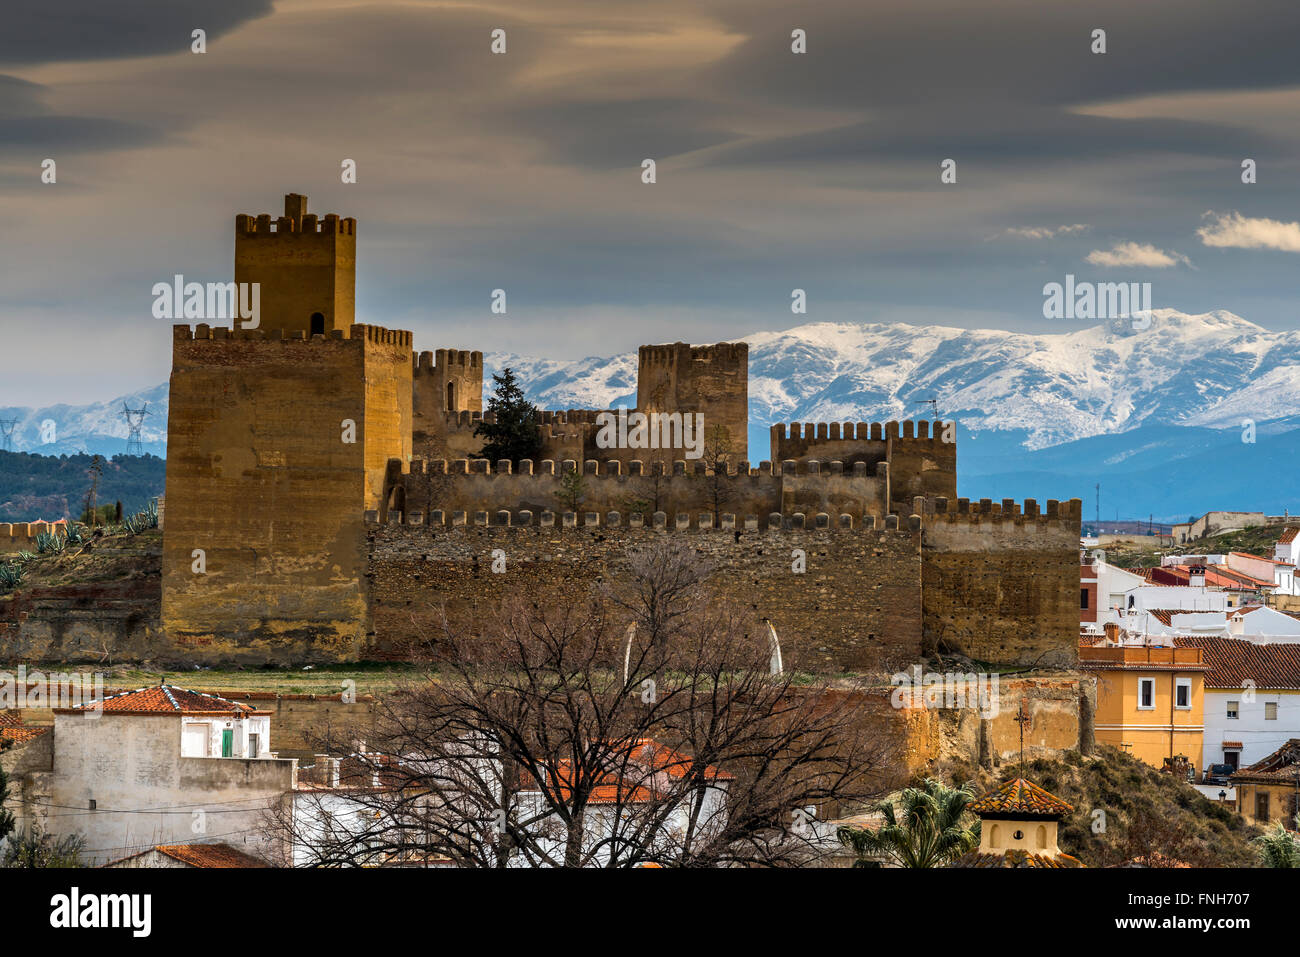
(515, 434)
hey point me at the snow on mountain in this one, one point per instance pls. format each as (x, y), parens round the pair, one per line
(1211, 370)
(1208, 370)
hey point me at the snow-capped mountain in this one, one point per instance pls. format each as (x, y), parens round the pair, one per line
(1210, 370)
(1040, 415)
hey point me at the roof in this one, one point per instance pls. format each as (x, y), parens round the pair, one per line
(1015, 858)
(166, 699)
(1020, 798)
(13, 730)
(202, 855)
(1282, 766)
(639, 780)
(1232, 662)
(1288, 534)
(10, 718)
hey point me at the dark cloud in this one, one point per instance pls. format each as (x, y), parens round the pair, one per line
(112, 29)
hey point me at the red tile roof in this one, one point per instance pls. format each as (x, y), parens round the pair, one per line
(21, 735)
(10, 718)
(167, 699)
(646, 760)
(1288, 534)
(1282, 765)
(1015, 858)
(1234, 661)
(1020, 798)
(202, 855)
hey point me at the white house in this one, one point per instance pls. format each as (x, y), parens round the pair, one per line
(1252, 698)
(163, 766)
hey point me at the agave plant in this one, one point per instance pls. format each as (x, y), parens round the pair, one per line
(75, 534)
(1278, 847)
(51, 542)
(11, 576)
(151, 513)
(26, 555)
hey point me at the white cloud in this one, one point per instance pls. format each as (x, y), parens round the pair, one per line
(1044, 232)
(1242, 232)
(1136, 254)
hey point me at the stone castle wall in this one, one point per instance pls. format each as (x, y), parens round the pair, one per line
(857, 607)
(262, 482)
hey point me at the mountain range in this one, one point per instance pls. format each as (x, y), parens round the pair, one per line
(1194, 412)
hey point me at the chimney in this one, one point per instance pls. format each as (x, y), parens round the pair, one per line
(1196, 576)
(1112, 632)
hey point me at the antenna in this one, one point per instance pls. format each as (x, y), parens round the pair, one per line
(932, 403)
(134, 423)
(7, 427)
(1098, 487)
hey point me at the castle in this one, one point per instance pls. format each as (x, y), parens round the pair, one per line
(325, 499)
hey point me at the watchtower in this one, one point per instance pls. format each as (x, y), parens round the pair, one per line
(712, 380)
(306, 267)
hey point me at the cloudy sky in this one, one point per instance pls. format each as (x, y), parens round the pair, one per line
(522, 171)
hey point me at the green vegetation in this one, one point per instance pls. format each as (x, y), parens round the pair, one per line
(1278, 847)
(931, 828)
(52, 487)
(1125, 810)
(35, 848)
(515, 434)
(1258, 540)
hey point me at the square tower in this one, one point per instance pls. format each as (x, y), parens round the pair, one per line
(306, 268)
(712, 380)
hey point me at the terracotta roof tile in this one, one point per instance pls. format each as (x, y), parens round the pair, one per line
(1233, 661)
(1019, 797)
(167, 699)
(1015, 858)
(202, 855)
(1282, 765)
(1288, 534)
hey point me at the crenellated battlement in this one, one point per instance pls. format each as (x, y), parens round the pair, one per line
(660, 521)
(430, 363)
(615, 468)
(295, 221)
(858, 431)
(374, 334)
(986, 511)
(671, 354)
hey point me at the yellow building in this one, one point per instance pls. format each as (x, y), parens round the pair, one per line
(1269, 790)
(1150, 701)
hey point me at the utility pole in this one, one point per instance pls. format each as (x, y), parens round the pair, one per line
(1022, 719)
(1098, 487)
(7, 427)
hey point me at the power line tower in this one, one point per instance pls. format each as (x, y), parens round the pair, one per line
(7, 428)
(932, 403)
(134, 423)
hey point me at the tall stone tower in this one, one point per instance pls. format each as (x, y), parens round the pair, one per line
(306, 267)
(713, 380)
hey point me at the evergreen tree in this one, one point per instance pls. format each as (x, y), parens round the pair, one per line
(515, 434)
(6, 817)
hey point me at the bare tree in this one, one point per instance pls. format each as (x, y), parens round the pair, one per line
(717, 460)
(641, 726)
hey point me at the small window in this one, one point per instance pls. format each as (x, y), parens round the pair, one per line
(1270, 710)
(1083, 598)
(1232, 710)
(1146, 693)
(1183, 693)
(94, 805)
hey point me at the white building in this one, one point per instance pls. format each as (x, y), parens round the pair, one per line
(160, 766)
(1252, 698)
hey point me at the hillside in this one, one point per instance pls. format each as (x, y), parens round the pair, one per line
(1256, 541)
(52, 487)
(1145, 813)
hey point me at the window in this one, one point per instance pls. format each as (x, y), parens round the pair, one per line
(1270, 710)
(1232, 710)
(317, 324)
(94, 805)
(1146, 693)
(1183, 693)
(254, 746)
(1083, 598)
(451, 397)
(1261, 806)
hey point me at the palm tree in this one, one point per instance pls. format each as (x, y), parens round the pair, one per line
(929, 831)
(1278, 847)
